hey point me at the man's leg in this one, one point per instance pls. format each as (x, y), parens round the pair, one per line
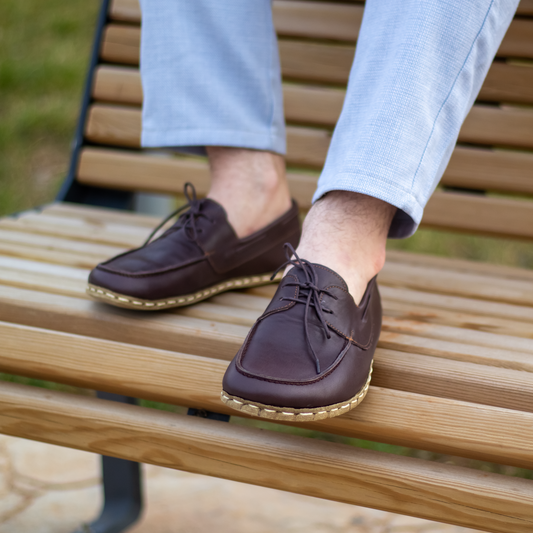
(417, 71)
(211, 78)
(250, 184)
(419, 66)
(212, 85)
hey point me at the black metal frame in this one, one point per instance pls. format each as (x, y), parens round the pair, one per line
(122, 481)
(71, 190)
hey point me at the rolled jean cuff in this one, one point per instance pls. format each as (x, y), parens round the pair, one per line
(408, 215)
(195, 141)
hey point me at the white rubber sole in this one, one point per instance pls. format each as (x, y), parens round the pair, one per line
(129, 302)
(291, 414)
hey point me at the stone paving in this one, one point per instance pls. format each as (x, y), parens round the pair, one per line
(49, 489)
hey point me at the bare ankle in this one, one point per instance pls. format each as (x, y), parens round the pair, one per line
(347, 232)
(250, 184)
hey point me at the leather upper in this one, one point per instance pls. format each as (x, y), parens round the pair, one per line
(276, 365)
(190, 256)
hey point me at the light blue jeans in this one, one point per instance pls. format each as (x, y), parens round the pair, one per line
(211, 77)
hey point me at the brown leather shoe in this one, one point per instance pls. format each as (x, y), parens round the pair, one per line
(198, 257)
(309, 356)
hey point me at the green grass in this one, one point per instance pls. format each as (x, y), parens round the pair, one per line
(45, 51)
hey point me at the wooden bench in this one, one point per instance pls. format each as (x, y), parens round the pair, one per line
(454, 366)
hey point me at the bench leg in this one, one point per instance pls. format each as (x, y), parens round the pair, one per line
(122, 489)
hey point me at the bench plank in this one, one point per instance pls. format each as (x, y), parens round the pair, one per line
(402, 335)
(129, 10)
(392, 416)
(432, 278)
(468, 167)
(77, 211)
(326, 63)
(408, 304)
(121, 126)
(328, 470)
(507, 126)
(404, 370)
(341, 22)
(313, 103)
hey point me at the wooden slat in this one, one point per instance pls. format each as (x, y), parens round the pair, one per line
(329, 63)
(129, 10)
(507, 126)
(507, 82)
(456, 318)
(500, 170)
(125, 10)
(499, 217)
(328, 470)
(402, 370)
(117, 84)
(525, 7)
(493, 170)
(317, 20)
(89, 230)
(420, 297)
(114, 125)
(88, 212)
(401, 335)
(483, 215)
(396, 417)
(129, 171)
(459, 265)
(465, 284)
(487, 287)
(57, 244)
(337, 21)
(408, 304)
(518, 41)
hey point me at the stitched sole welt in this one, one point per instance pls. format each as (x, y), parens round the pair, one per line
(130, 302)
(291, 414)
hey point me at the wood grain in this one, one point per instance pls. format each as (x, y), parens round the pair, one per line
(401, 370)
(493, 216)
(322, 105)
(327, 63)
(465, 284)
(328, 470)
(407, 334)
(341, 22)
(419, 274)
(397, 417)
(474, 168)
(506, 126)
(129, 10)
(453, 211)
(459, 265)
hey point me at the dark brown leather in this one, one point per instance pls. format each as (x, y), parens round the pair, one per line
(276, 366)
(193, 255)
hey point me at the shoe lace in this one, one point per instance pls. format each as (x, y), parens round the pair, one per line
(309, 294)
(187, 219)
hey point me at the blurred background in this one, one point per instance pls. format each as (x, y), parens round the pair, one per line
(44, 54)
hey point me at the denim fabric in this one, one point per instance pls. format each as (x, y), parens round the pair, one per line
(210, 73)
